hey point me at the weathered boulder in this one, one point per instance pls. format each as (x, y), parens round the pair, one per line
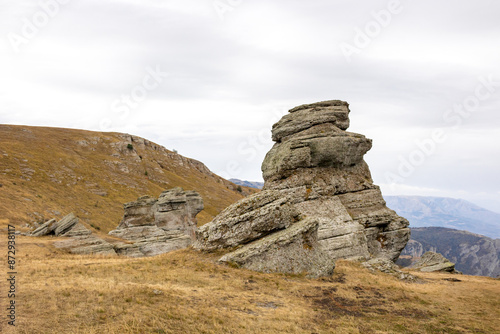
(318, 203)
(431, 262)
(308, 115)
(68, 226)
(45, 229)
(247, 220)
(155, 226)
(291, 250)
(81, 240)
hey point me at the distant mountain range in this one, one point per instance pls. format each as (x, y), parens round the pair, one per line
(446, 212)
(250, 184)
(472, 254)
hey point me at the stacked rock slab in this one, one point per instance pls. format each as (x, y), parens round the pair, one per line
(318, 204)
(432, 261)
(155, 226)
(81, 240)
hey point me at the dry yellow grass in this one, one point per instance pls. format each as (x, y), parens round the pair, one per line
(50, 172)
(186, 292)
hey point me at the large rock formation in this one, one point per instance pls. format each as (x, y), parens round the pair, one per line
(318, 203)
(156, 226)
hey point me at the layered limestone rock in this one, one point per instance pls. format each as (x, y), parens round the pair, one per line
(318, 203)
(149, 227)
(431, 262)
(81, 240)
(45, 229)
(86, 244)
(155, 226)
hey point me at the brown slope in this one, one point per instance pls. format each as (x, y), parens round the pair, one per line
(49, 172)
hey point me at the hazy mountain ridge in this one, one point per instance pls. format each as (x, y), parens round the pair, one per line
(49, 172)
(446, 212)
(250, 184)
(472, 254)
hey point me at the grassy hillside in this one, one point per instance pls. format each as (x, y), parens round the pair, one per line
(186, 292)
(49, 172)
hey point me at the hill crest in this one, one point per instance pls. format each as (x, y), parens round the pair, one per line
(48, 172)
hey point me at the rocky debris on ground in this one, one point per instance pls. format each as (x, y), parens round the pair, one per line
(154, 226)
(89, 244)
(318, 203)
(388, 267)
(432, 262)
(81, 240)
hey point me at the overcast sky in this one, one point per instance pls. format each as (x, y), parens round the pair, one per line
(209, 78)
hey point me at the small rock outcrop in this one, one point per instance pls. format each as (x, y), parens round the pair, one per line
(155, 226)
(388, 267)
(81, 240)
(431, 262)
(45, 229)
(318, 203)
